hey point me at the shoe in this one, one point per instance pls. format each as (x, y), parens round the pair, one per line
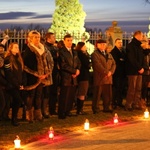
(114, 106)
(15, 123)
(120, 105)
(128, 109)
(70, 114)
(108, 111)
(61, 117)
(81, 113)
(54, 113)
(46, 116)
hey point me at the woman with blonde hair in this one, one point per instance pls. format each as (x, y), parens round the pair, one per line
(13, 67)
(38, 72)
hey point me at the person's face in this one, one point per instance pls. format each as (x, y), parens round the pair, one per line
(140, 37)
(15, 49)
(52, 39)
(101, 46)
(1, 50)
(118, 44)
(68, 42)
(36, 39)
(83, 48)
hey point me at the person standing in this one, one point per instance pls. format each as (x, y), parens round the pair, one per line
(83, 78)
(103, 68)
(50, 44)
(69, 71)
(135, 69)
(37, 75)
(119, 77)
(146, 74)
(13, 68)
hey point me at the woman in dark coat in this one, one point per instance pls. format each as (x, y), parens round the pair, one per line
(13, 67)
(83, 78)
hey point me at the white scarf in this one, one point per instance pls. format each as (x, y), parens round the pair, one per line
(39, 49)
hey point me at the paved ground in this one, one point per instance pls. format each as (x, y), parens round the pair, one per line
(124, 136)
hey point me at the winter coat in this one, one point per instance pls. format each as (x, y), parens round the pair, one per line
(135, 57)
(85, 66)
(101, 66)
(13, 75)
(36, 65)
(120, 59)
(68, 66)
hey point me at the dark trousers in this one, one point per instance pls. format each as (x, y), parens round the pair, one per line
(104, 91)
(145, 82)
(118, 89)
(66, 99)
(134, 90)
(16, 102)
(34, 98)
(2, 102)
(54, 90)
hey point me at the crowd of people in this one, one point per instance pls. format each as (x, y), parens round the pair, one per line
(47, 73)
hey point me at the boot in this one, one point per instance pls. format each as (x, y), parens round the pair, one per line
(38, 115)
(15, 122)
(80, 107)
(29, 115)
(45, 107)
(142, 104)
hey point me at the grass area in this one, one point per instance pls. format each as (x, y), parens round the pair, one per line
(32, 132)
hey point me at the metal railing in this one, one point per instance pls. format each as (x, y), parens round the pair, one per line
(21, 36)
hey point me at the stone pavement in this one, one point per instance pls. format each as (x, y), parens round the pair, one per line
(124, 136)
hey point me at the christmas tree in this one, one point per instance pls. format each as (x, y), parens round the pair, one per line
(68, 17)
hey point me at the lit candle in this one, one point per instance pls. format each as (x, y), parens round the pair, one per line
(116, 118)
(51, 133)
(146, 114)
(86, 125)
(17, 142)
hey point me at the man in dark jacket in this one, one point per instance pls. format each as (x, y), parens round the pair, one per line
(50, 44)
(134, 71)
(69, 70)
(119, 77)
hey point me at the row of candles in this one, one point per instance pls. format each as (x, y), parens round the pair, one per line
(17, 141)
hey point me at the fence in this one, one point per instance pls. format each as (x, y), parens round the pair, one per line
(21, 36)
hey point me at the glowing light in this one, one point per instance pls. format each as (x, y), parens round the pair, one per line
(17, 142)
(51, 133)
(86, 125)
(146, 114)
(115, 118)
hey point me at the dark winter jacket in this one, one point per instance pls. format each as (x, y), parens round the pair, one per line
(68, 66)
(85, 66)
(120, 59)
(135, 57)
(13, 76)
